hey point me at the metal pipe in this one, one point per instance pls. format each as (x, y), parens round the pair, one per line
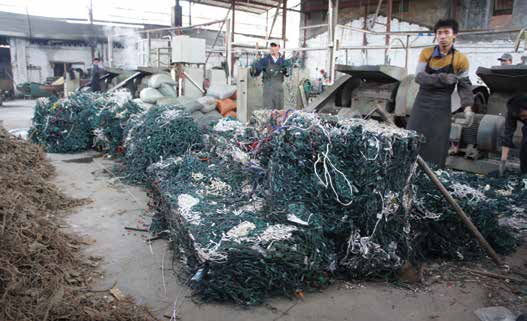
(372, 24)
(379, 47)
(256, 36)
(179, 28)
(314, 26)
(229, 50)
(284, 20)
(233, 16)
(218, 34)
(193, 82)
(407, 52)
(388, 29)
(331, 40)
(250, 49)
(387, 50)
(364, 35)
(335, 42)
(272, 24)
(430, 33)
(468, 222)
(180, 87)
(149, 48)
(124, 82)
(304, 42)
(158, 58)
(245, 48)
(110, 50)
(519, 39)
(266, 21)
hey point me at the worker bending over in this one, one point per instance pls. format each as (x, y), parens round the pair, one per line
(274, 70)
(516, 112)
(440, 68)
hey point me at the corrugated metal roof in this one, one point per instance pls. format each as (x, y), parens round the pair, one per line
(253, 6)
(19, 25)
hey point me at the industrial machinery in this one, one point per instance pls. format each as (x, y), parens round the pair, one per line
(477, 148)
(362, 89)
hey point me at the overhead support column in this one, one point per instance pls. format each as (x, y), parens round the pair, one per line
(388, 29)
(364, 35)
(331, 41)
(229, 50)
(231, 61)
(284, 21)
(110, 51)
(149, 44)
(233, 3)
(190, 12)
(272, 24)
(92, 37)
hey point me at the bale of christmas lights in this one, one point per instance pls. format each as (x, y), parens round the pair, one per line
(163, 131)
(82, 121)
(220, 206)
(340, 189)
(438, 232)
(64, 125)
(111, 119)
(219, 228)
(351, 177)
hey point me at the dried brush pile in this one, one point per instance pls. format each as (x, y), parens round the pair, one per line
(43, 276)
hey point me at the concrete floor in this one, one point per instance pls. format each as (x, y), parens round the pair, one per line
(143, 270)
(17, 113)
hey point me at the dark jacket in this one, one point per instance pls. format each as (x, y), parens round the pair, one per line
(262, 64)
(95, 75)
(513, 107)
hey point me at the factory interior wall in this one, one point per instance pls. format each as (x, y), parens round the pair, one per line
(34, 62)
(6, 82)
(17, 49)
(316, 60)
(422, 12)
(43, 57)
(471, 14)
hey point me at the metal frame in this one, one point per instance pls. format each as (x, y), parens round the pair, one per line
(333, 45)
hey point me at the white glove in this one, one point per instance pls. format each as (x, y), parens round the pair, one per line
(469, 116)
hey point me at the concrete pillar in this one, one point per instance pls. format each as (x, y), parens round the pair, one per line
(17, 48)
(519, 14)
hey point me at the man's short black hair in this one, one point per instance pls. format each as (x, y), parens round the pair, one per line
(274, 44)
(447, 23)
(517, 103)
(94, 59)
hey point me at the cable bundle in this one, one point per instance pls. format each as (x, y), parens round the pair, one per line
(495, 205)
(162, 132)
(82, 121)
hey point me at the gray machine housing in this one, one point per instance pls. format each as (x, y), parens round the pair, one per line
(361, 89)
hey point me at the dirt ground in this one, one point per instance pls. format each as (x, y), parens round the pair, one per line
(143, 269)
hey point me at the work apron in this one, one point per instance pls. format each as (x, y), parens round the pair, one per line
(431, 117)
(273, 90)
(523, 150)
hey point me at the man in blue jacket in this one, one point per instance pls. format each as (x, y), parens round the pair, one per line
(274, 70)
